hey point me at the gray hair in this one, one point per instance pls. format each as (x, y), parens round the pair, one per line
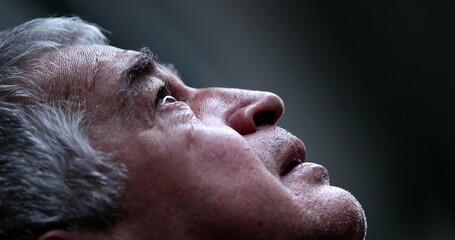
(50, 177)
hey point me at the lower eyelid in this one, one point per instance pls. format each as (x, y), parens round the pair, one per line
(171, 105)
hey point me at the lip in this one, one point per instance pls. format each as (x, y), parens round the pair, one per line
(293, 156)
(310, 173)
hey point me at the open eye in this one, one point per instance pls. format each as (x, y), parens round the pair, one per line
(168, 99)
(164, 95)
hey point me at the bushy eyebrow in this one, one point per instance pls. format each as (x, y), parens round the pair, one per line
(143, 64)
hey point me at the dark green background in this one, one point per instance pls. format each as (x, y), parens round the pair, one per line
(368, 85)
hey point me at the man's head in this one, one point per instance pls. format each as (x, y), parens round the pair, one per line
(160, 159)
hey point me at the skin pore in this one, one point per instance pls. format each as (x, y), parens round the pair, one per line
(210, 165)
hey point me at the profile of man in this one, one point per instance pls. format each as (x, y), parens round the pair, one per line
(99, 142)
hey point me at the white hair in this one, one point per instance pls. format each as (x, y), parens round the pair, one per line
(50, 177)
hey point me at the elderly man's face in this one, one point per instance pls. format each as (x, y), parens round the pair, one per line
(210, 165)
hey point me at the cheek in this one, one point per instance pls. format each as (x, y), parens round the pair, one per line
(193, 154)
(220, 146)
(174, 115)
(225, 180)
(202, 155)
(208, 168)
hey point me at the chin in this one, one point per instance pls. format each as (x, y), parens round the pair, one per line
(331, 213)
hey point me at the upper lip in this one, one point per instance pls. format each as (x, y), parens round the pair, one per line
(293, 156)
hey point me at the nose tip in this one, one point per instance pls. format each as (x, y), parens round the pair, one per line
(266, 109)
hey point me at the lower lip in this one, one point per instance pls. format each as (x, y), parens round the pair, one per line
(309, 173)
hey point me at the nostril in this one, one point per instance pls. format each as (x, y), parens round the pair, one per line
(251, 110)
(264, 118)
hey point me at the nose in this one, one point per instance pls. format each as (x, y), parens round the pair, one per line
(242, 110)
(262, 108)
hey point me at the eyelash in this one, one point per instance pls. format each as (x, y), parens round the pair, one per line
(165, 90)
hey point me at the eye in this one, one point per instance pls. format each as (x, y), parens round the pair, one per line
(164, 95)
(168, 99)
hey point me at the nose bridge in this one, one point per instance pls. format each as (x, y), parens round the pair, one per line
(242, 110)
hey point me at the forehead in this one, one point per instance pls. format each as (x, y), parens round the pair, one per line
(87, 63)
(90, 74)
(90, 65)
(91, 52)
(81, 70)
(87, 74)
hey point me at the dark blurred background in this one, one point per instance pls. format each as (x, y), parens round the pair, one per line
(368, 85)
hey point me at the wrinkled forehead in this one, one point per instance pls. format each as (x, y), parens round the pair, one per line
(91, 76)
(80, 67)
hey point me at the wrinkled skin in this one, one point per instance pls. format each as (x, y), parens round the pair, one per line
(211, 165)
